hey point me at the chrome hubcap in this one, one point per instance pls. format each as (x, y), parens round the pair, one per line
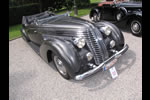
(136, 27)
(99, 17)
(60, 66)
(119, 16)
(95, 17)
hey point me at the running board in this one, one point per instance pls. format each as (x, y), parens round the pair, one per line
(35, 47)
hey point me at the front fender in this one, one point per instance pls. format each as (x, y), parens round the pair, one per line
(64, 51)
(123, 9)
(116, 34)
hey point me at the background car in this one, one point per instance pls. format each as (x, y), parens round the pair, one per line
(77, 47)
(119, 11)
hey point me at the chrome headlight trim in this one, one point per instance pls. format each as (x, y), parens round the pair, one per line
(106, 30)
(80, 42)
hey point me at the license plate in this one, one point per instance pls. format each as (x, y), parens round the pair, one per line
(113, 72)
(107, 66)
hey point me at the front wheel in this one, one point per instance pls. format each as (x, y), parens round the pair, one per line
(136, 27)
(96, 17)
(60, 66)
(119, 16)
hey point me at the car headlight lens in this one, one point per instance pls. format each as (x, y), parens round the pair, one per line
(106, 30)
(79, 42)
(112, 43)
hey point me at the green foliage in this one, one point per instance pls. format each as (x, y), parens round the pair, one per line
(13, 3)
(55, 5)
(52, 5)
(16, 13)
(68, 4)
(83, 3)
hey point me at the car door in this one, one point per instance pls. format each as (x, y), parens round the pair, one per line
(34, 35)
(108, 11)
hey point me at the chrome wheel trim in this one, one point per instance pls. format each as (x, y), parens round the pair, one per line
(99, 16)
(92, 18)
(60, 66)
(136, 27)
(95, 17)
(119, 15)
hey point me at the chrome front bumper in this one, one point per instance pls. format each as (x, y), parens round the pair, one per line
(97, 68)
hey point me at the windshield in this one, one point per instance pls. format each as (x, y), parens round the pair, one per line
(122, 0)
(127, 0)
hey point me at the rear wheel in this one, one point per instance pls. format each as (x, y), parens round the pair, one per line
(136, 27)
(60, 66)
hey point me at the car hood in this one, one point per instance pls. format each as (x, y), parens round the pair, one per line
(67, 23)
(131, 4)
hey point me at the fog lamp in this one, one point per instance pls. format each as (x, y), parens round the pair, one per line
(79, 42)
(112, 43)
(89, 56)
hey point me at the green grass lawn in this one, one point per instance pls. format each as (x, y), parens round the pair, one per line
(14, 31)
(95, 1)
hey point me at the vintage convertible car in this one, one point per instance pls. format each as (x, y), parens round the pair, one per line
(129, 13)
(77, 47)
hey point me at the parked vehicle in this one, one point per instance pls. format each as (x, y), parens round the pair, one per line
(120, 10)
(77, 47)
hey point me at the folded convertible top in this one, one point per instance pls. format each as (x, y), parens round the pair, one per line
(31, 18)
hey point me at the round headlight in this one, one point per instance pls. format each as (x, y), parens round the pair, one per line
(79, 42)
(106, 30)
(112, 43)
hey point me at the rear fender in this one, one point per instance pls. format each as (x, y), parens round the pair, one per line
(134, 16)
(24, 34)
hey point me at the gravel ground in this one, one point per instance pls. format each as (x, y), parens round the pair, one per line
(30, 78)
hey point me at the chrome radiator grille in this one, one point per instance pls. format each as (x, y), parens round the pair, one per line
(95, 47)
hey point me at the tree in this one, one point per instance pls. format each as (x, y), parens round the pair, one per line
(51, 4)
